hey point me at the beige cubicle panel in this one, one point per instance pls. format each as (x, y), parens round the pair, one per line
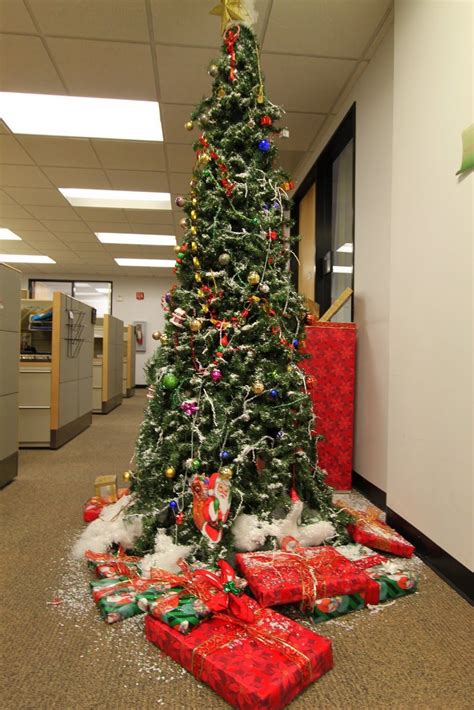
(55, 400)
(108, 364)
(129, 350)
(9, 350)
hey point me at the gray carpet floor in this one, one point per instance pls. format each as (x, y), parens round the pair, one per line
(414, 653)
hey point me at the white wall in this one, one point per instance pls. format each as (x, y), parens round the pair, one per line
(126, 307)
(430, 372)
(373, 94)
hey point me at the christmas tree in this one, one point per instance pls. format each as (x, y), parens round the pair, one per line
(227, 449)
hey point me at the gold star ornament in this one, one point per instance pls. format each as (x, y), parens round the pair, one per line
(230, 10)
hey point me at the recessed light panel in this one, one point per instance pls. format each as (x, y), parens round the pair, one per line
(81, 117)
(26, 259)
(342, 269)
(154, 263)
(7, 234)
(123, 199)
(348, 247)
(164, 240)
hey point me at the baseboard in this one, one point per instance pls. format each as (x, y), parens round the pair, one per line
(376, 495)
(111, 404)
(141, 387)
(458, 576)
(130, 392)
(8, 469)
(61, 436)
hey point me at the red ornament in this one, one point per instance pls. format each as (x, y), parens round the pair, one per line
(275, 329)
(266, 121)
(180, 519)
(245, 313)
(224, 341)
(259, 463)
(272, 234)
(310, 319)
(203, 141)
(214, 155)
(294, 495)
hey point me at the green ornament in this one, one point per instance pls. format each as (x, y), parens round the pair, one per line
(196, 464)
(170, 381)
(180, 255)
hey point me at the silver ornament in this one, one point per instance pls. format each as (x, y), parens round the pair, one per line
(224, 259)
(265, 288)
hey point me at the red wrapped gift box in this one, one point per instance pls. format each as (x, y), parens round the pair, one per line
(263, 665)
(93, 507)
(303, 575)
(332, 347)
(369, 530)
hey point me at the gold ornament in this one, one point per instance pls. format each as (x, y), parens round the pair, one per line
(195, 325)
(194, 246)
(197, 277)
(194, 201)
(193, 230)
(213, 70)
(183, 223)
(200, 293)
(255, 299)
(127, 476)
(164, 339)
(221, 93)
(205, 308)
(230, 10)
(196, 262)
(193, 214)
(203, 160)
(170, 472)
(189, 125)
(253, 278)
(225, 472)
(177, 248)
(258, 387)
(156, 335)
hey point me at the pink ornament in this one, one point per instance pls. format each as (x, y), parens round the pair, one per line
(216, 375)
(189, 407)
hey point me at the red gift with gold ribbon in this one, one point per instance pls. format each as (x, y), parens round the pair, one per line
(263, 663)
(298, 574)
(368, 529)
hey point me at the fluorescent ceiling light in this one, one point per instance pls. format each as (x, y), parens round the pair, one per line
(81, 117)
(7, 234)
(163, 240)
(26, 259)
(347, 247)
(127, 199)
(89, 293)
(342, 269)
(156, 263)
(83, 284)
(103, 290)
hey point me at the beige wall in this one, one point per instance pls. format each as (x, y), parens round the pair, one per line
(373, 94)
(307, 244)
(430, 430)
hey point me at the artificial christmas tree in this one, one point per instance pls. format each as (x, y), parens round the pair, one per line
(229, 427)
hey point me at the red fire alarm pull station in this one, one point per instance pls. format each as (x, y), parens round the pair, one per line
(140, 295)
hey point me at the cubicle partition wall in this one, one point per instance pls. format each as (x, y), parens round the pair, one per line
(108, 364)
(55, 370)
(9, 350)
(129, 349)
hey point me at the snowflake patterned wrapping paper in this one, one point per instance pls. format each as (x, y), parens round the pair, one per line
(332, 347)
(305, 575)
(263, 664)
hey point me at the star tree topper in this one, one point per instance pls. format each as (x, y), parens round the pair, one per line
(230, 10)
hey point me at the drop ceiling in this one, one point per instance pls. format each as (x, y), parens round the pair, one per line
(312, 52)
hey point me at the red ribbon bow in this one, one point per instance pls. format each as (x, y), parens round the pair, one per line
(230, 40)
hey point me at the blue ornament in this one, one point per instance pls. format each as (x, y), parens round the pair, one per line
(225, 456)
(173, 505)
(266, 208)
(264, 145)
(276, 205)
(296, 342)
(274, 393)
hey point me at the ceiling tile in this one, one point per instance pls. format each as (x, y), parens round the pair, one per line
(138, 180)
(173, 118)
(107, 19)
(340, 28)
(6, 199)
(62, 225)
(289, 159)
(105, 69)
(73, 237)
(4, 128)
(47, 150)
(42, 243)
(43, 212)
(150, 216)
(318, 84)
(15, 18)
(183, 75)
(34, 196)
(94, 214)
(20, 225)
(34, 72)
(181, 158)
(93, 245)
(12, 152)
(22, 176)
(179, 27)
(179, 183)
(78, 177)
(97, 226)
(13, 212)
(133, 155)
(303, 128)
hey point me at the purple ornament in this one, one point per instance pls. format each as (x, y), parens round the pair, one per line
(168, 297)
(180, 201)
(216, 375)
(264, 145)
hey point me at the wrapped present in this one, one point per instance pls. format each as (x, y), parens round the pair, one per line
(368, 529)
(119, 598)
(297, 574)
(94, 506)
(263, 662)
(106, 488)
(391, 586)
(107, 564)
